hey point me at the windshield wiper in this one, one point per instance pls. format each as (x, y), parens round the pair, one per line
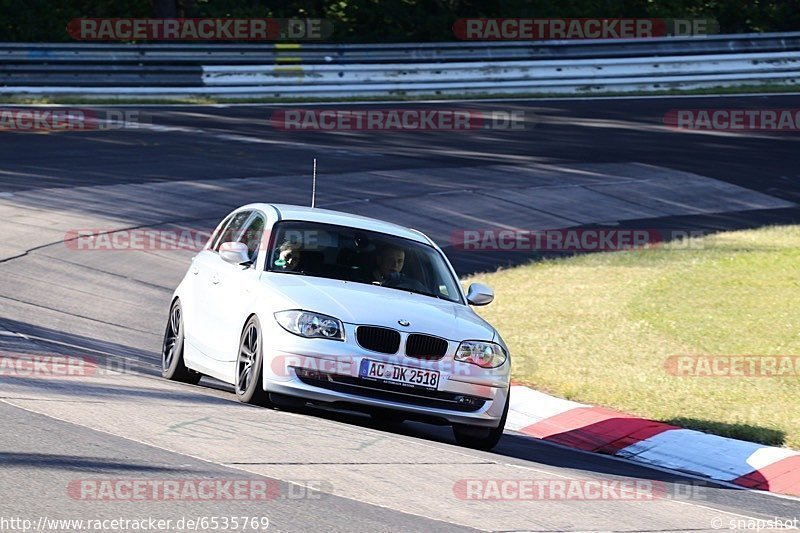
(415, 291)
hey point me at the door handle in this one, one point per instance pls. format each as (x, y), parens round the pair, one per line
(215, 279)
(195, 270)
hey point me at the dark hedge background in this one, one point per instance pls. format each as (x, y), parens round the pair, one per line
(391, 20)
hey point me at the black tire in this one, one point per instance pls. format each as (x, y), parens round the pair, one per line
(249, 363)
(172, 366)
(481, 438)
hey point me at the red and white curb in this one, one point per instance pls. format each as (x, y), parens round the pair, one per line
(601, 430)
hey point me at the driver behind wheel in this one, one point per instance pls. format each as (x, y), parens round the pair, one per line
(389, 262)
(288, 256)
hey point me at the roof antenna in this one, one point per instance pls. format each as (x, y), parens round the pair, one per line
(314, 184)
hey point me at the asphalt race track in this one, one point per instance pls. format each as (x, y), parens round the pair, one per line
(607, 162)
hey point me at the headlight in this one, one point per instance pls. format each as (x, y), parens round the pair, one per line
(483, 354)
(310, 325)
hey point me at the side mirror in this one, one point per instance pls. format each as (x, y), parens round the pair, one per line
(234, 252)
(479, 294)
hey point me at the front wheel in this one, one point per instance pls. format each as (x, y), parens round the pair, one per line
(481, 438)
(172, 365)
(249, 388)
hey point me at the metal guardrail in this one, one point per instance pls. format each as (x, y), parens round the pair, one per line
(325, 70)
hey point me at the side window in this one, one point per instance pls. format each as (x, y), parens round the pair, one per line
(218, 235)
(232, 230)
(252, 236)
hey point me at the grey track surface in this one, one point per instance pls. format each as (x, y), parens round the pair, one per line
(44, 456)
(577, 163)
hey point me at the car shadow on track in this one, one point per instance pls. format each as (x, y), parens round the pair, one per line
(79, 463)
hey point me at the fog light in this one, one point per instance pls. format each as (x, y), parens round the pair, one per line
(465, 400)
(311, 374)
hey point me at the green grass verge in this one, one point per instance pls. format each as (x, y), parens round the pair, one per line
(598, 328)
(202, 100)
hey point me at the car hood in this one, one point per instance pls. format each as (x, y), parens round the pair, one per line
(359, 303)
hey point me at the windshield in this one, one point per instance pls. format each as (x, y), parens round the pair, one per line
(361, 256)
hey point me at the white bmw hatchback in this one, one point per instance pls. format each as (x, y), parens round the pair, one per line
(292, 305)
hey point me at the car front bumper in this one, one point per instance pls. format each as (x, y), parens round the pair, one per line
(464, 395)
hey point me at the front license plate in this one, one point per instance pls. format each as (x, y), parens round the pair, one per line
(397, 374)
